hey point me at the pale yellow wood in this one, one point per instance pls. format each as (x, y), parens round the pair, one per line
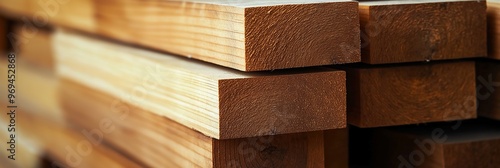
(219, 102)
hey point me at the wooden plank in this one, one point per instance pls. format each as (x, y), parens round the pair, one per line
(422, 30)
(67, 146)
(248, 36)
(455, 144)
(219, 102)
(488, 88)
(165, 143)
(36, 50)
(336, 148)
(493, 28)
(410, 94)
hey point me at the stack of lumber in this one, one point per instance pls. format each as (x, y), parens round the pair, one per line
(217, 83)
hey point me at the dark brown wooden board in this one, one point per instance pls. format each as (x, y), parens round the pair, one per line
(165, 143)
(410, 94)
(493, 10)
(414, 31)
(465, 144)
(488, 88)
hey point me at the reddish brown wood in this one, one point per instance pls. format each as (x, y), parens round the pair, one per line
(410, 94)
(411, 31)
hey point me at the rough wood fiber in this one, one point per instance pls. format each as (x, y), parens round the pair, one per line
(410, 94)
(219, 102)
(58, 141)
(488, 88)
(467, 144)
(247, 36)
(166, 143)
(412, 31)
(493, 29)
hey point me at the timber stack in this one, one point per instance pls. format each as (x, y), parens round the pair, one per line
(261, 83)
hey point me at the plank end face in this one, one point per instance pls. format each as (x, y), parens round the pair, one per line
(289, 36)
(414, 32)
(413, 94)
(289, 150)
(493, 11)
(282, 104)
(488, 93)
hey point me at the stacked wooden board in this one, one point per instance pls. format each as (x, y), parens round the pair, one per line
(131, 83)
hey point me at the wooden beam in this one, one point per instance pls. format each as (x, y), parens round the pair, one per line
(70, 148)
(166, 143)
(410, 94)
(39, 90)
(248, 36)
(488, 88)
(219, 102)
(422, 30)
(36, 50)
(493, 29)
(444, 145)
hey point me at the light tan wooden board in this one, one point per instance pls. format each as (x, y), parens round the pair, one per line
(219, 102)
(247, 36)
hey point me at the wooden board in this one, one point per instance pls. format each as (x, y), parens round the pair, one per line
(444, 145)
(36, 50)
(422, 30)
(165, 143)
(248, 36)
(493, 28)
(37, 90)
(410, 94)
(488, 88)
(219, 102)
(68, 147)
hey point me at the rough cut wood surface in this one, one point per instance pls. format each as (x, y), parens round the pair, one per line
(414, 31)
(165, 143)
(493, 28)
(488, 88)
(219, 102)
(410, 94)
(247, 36)
(466, 144)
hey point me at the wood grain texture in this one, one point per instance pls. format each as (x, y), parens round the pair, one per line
(165, 143)
(455, 145)
(246, 36)
(36, 50)
(413, 31)
(410, 94)
(493, 9)
(219, 102)
(488, 88)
